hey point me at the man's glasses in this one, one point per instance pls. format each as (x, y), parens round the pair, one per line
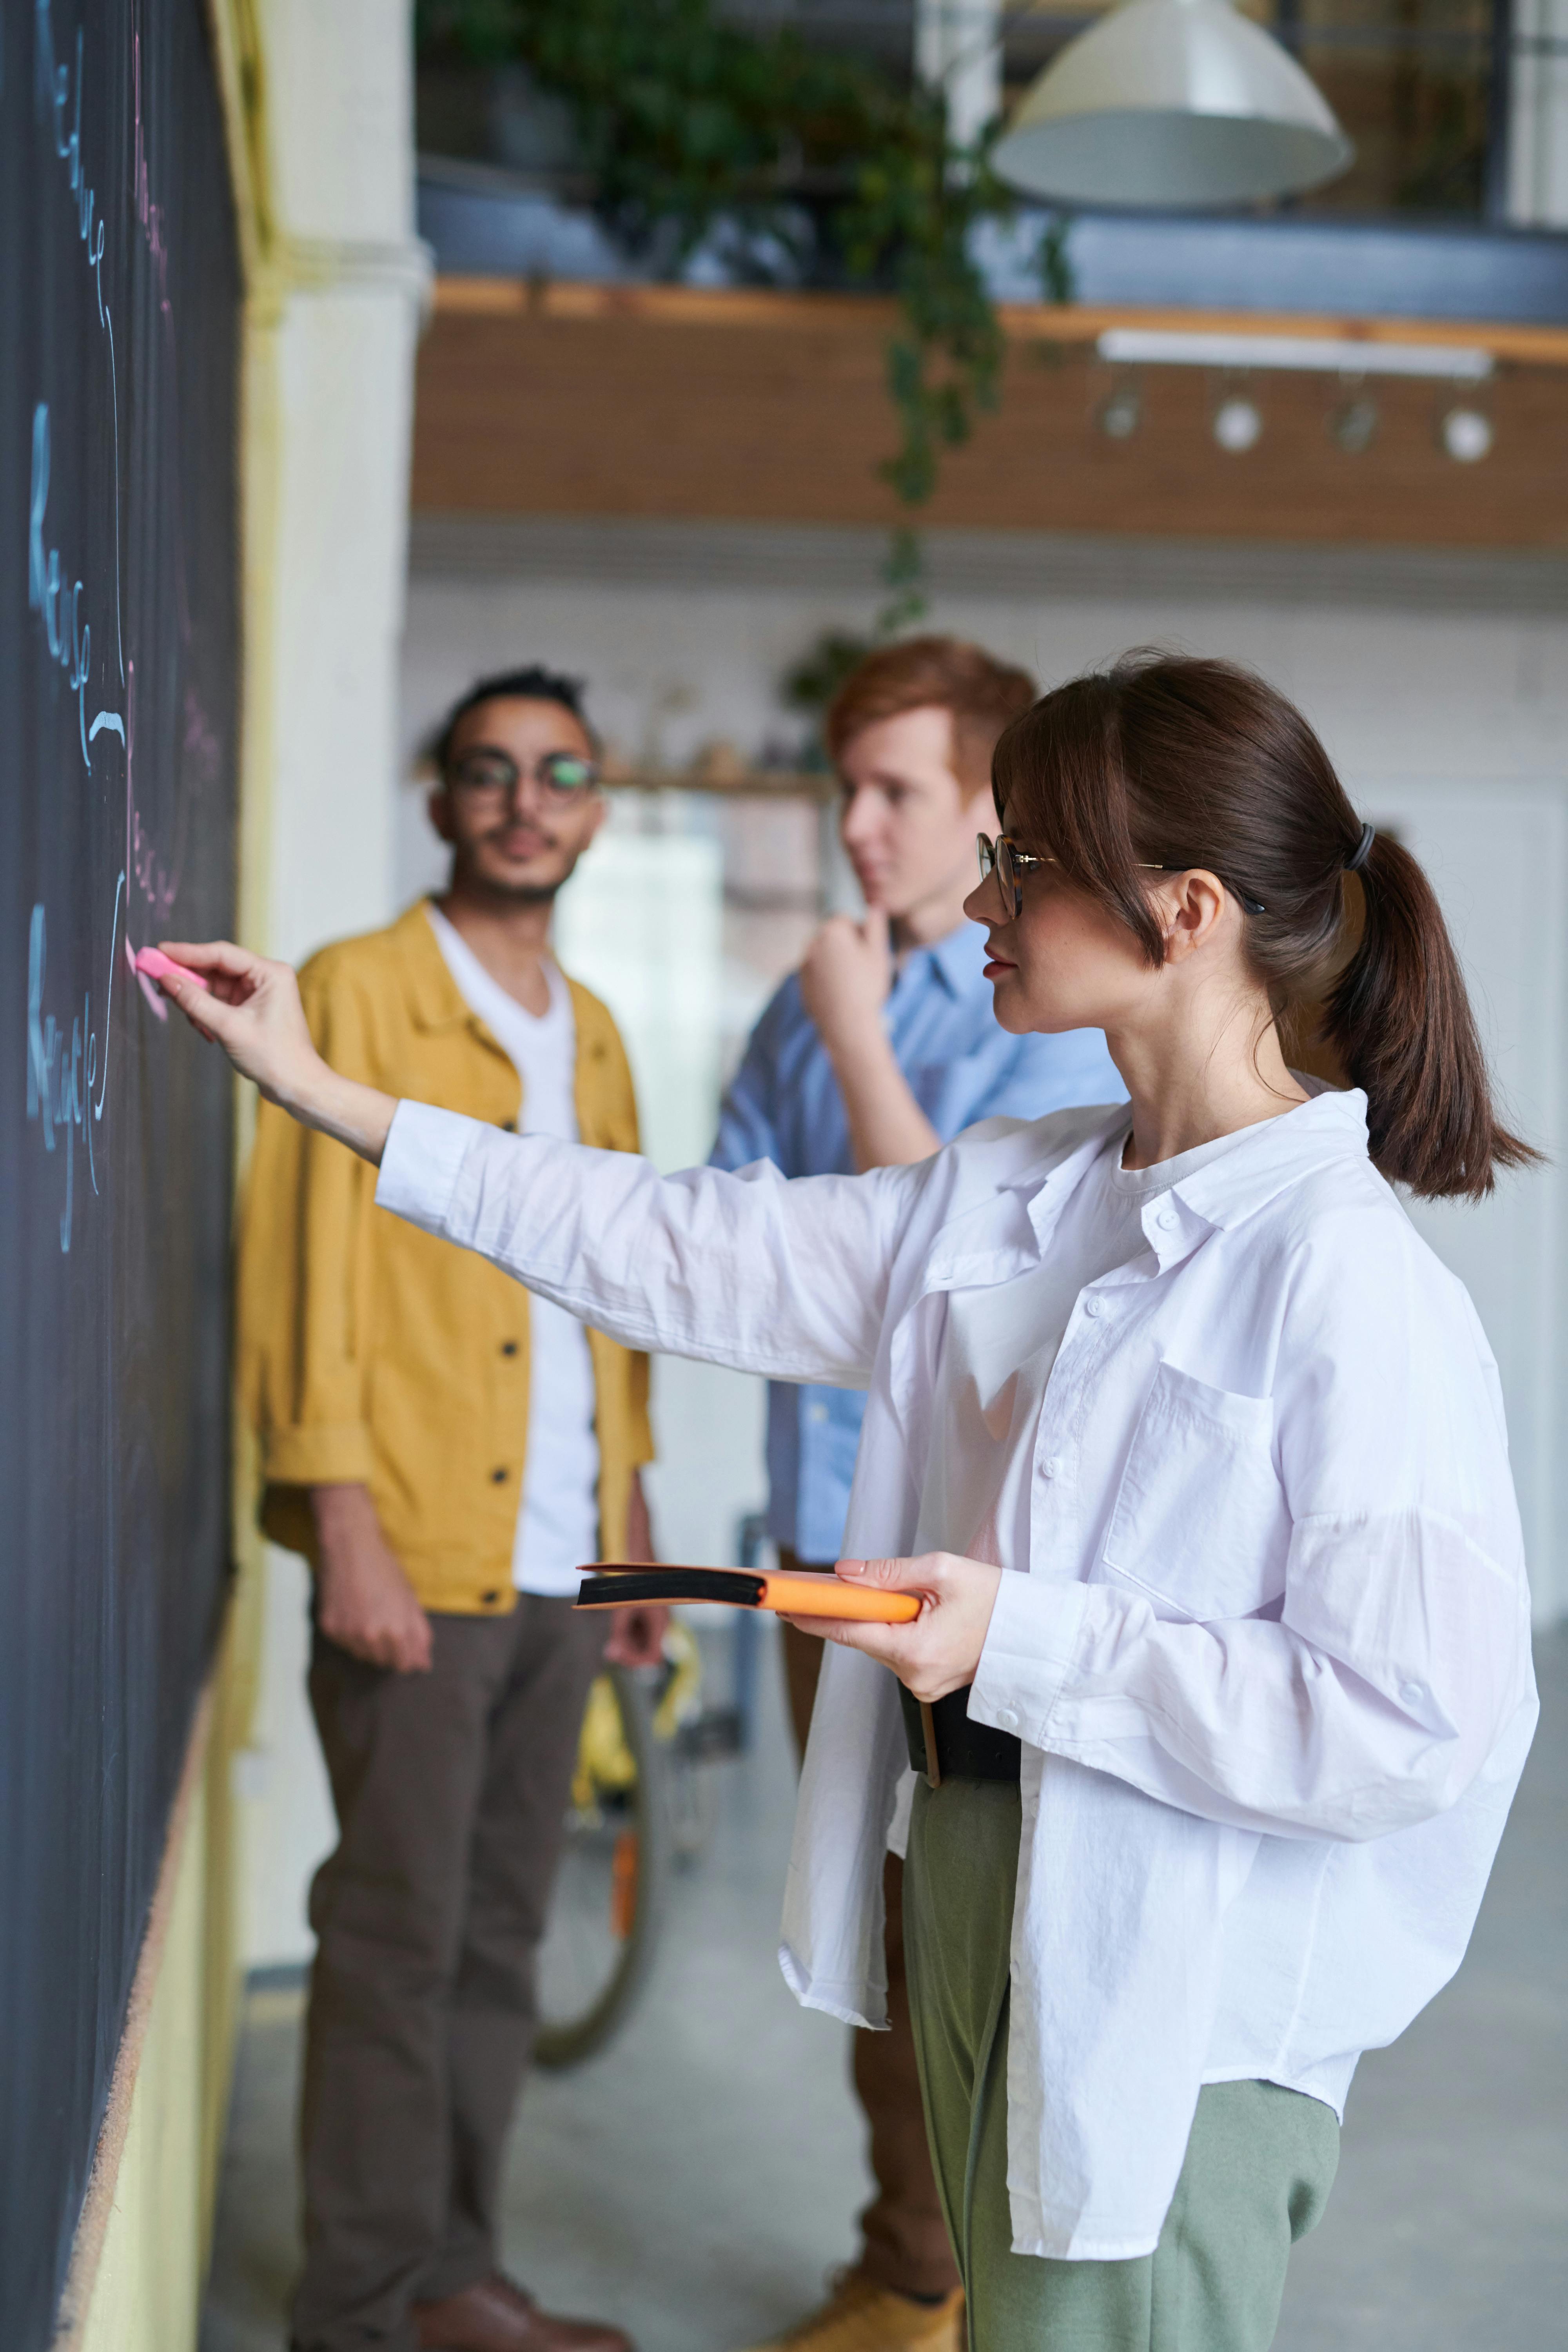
(1009, 863)
(492, 777)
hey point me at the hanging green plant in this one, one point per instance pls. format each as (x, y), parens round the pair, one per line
(691, 130)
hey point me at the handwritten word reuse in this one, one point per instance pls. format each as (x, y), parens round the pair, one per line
(62, 1075)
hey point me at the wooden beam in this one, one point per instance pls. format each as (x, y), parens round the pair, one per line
(753, 406)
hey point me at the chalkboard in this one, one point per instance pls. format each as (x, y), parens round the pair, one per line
(118, 652)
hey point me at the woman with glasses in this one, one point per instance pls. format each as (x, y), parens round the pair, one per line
(1203, 1742)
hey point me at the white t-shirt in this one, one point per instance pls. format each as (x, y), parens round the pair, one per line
(558, 1519)
(998, 1349)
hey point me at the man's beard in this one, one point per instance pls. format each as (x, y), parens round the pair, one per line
(511, 893)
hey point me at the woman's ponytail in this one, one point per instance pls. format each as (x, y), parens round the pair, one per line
(1167, 762)
(1399, 1018)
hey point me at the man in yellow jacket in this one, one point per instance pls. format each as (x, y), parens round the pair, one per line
(445, 1451)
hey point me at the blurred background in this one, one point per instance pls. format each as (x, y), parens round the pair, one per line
(633, 342)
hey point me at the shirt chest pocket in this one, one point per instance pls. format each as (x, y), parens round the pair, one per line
(1200, 1528)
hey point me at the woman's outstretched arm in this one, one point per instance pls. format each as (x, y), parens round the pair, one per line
(787, 1280)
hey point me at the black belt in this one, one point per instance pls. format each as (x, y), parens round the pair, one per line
(946, 1745)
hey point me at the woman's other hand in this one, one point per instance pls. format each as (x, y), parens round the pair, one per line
(937, 1652)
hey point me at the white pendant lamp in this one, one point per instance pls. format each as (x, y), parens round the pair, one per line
(1172, 104)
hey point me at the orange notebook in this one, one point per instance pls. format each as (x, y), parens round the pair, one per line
(608, 1585)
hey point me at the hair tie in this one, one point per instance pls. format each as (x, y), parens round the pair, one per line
(1361, 851)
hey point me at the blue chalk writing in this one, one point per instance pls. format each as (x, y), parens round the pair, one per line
(52, 92)
(60, 1072)
(68, 636)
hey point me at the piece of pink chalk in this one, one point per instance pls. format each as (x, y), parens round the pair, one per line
(158, 966)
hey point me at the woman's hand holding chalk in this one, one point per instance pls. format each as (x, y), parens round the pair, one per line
(250, 1006)
(158, 966)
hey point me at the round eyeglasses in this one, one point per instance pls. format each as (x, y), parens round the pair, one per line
(487, 776)
(1009, 863)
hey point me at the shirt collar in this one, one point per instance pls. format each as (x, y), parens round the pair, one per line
(435, 999)
(1268, 1158)
(1275, 1154)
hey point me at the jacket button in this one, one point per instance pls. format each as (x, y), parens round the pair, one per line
(498, 1477)
(509, 1346)
(491, 1599)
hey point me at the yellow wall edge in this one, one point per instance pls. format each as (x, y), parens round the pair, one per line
(142, 2246)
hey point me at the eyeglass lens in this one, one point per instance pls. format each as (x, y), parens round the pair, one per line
(995, 858)
(492, 775)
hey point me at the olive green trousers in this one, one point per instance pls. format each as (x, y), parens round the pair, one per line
(1259, 2163)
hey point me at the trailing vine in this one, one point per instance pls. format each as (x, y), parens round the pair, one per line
(694, 133)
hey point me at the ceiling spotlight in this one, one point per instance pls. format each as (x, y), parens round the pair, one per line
(1238, 424)
(1353, 428)
(1467, 434)
(1120, 412)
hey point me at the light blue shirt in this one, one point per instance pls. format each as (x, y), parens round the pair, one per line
(784, 1105)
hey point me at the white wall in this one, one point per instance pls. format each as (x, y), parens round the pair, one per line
(332, 323)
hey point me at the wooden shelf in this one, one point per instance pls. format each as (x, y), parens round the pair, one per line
(689, 403)
(1070, 324)
(755, 784)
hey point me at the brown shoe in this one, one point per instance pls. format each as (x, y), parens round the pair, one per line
(860, 2316)
(496, 2316)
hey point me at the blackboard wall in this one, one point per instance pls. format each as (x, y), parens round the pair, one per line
(119, 325)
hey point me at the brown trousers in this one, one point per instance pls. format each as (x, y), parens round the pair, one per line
(905, 2244)
(451, 1789)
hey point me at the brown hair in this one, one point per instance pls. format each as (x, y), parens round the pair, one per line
(944, 673)
(1186, 763)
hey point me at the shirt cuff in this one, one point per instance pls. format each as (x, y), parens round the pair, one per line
(424, 1157)
(1029, 1653)
(322, 1454)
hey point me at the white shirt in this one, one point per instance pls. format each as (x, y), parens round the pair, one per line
(558, 1518)
(1268, 1650)
(997, 1351)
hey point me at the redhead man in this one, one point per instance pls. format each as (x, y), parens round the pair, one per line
(879, 1049)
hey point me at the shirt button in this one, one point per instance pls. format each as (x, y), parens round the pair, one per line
(1412, 1693)
(1050, 1465)
(498, 1477)
(1167, 1220)
(1094, 1308)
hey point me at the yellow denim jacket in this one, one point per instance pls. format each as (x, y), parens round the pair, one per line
(372, 1353)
